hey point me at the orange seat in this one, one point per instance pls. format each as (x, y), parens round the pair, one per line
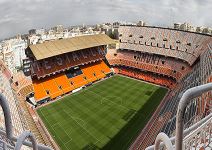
(63, 81)
(39, 90)
(51, 86)
(104, 67)
(98, 71)
(57, 85)
(78, 81)
(89, 73)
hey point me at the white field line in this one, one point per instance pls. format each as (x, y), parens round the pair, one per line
(84, 124)
(142, 81)
(77, 118)
(88, 89)
(108, 100)
(93, 85)
(83, 128)
(58, 124)
(53, 129)
(133, 85)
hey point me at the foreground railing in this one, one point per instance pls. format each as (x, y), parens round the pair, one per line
(197, 134)
(199, 138)
(20, 140)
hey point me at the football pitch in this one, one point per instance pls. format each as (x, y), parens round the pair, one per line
(107, 115)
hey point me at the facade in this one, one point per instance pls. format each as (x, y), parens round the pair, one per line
(12, 52)
(188, 27)
(7, 55)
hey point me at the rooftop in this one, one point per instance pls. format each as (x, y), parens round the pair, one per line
(62, 46)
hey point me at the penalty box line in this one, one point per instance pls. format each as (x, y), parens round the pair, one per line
(55, 131)
(109, 100)
(83, 128)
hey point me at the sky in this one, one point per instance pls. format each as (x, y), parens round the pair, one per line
(19, 16)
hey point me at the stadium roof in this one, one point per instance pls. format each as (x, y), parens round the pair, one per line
(57, 47)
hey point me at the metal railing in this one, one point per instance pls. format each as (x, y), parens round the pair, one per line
(204, 124)
(21, 140)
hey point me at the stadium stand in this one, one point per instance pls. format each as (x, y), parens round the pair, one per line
(48, 66)
(186, 46)
(21, 84)
(23, 87)
(76, 65)
(6, 90)
(149, 77)
(89, 73)
(171, 58)
(153, 63)
(177, 60)
(174, 60)
(57, 85)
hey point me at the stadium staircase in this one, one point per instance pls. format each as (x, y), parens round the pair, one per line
(30, 121)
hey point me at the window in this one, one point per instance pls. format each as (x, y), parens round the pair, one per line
(157, 44)
(165, 39)
(141, 36)
(178, 41)
(60, 87)
(130, 35)
(152, 38)
(170, 47)
(120, 35)
(189, 44)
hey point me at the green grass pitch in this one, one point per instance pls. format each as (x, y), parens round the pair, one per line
(107, 115)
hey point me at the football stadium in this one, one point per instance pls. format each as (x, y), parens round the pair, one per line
(149, 89)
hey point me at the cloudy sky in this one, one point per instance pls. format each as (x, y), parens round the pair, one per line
(18, 16)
